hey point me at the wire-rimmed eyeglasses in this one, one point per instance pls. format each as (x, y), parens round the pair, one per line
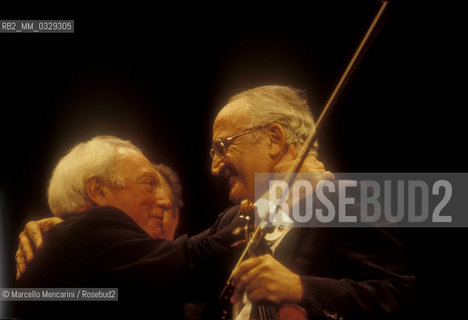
(220, 147)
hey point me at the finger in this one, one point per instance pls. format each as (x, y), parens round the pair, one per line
(250, 276)
(253, 286)
(49, 223)
(259, 294)
(33, 232)
(26, 247)
(245, 267)
(20, 262)
(18, 274)
(255, 283)
(236, 295)
(249, 280)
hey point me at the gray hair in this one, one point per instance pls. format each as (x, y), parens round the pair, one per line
(174, 183)
(283, 105)
(98, 158)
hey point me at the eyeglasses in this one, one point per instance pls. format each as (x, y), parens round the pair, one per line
(220, 147)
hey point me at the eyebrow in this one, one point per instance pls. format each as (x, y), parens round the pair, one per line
(149, 174)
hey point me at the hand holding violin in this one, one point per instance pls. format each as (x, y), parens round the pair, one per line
(265, 279)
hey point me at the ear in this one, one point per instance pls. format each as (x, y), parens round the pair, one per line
(277, 140)
(95, 190)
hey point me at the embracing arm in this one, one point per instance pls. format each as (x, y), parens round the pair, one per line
(111, 248)
(30, 240)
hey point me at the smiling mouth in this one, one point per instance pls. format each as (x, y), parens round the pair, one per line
(156, 217)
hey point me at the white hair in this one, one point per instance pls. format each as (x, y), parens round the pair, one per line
(98, 158)
(283, 105)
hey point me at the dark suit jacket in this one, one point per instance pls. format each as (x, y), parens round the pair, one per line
(104, 248)
(349, 273)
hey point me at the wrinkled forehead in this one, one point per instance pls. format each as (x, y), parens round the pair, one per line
(232, 119)
(134, 162)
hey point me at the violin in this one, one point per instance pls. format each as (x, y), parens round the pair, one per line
(255, 235)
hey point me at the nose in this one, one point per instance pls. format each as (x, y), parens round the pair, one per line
(163, 200)
(217, 166)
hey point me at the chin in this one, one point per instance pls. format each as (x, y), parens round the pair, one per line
(234, 199)
(234, 196)
(155, 234)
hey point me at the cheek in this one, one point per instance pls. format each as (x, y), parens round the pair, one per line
(119, 200)
(146, 200)
(247, 172)
(139, 203)
(143, 197)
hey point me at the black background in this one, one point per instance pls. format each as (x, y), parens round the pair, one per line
(156, 75)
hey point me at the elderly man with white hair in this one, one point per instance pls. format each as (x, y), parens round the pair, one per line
(112, 202)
